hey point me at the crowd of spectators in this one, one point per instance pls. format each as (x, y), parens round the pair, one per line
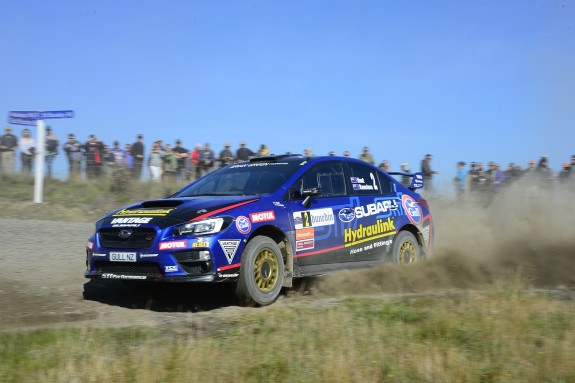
(478, 179)
(93, 159)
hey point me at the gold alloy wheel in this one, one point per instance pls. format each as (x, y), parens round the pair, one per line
(407, 253)
(266, 270)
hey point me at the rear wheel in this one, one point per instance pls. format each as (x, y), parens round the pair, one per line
(261, 272)
(406, 249)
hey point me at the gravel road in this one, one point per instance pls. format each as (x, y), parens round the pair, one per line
(42, 285)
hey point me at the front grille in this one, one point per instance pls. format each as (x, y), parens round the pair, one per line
(129, 268)
(140, 238)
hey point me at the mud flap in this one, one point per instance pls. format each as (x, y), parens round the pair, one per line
(288, 261)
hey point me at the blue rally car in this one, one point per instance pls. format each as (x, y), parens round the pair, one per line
(260, 224)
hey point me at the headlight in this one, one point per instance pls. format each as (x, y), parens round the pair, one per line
(204, 227)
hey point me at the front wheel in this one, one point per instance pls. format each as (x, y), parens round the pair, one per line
(261, 272)
(406, 249)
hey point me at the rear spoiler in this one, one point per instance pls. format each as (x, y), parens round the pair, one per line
(416, 179)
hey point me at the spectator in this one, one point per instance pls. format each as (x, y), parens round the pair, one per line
(531, 167)
(243, 153)
(94, 157)
(543, 165)
(427, 173)
(499, 178)
(331, 153)
(73, 150)
(346, 153)
(460, 178)
(366, 156)
(405, 180)
(385, 166)
(155, 161)
(129, 158)
(181, 156)
(119, 155)
(565, 173)
(308, 152)
(109, 160)
(51, 148)
(138, 155)
(511, 174)
(8, 145)
(170, 164)
(572, 161)
(263, 151)
(207, 159)
(195, 162)
(27, 151)
(226, 156)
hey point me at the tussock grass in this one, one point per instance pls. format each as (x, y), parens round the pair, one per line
(503, 335)
(77, 200)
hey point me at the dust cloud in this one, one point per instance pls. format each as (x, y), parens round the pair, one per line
(523, 234)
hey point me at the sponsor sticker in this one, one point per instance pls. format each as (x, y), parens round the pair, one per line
(229, 246)
(173, 245)
(235, 275)
(142, 212)
(313, 218)
(306, 244)
(304, 234)
(119, 276)
(370, 232)
(379, 207)
(347, 214)
(130, 221)
(412, 209)
(170, 269)
(144, 255)
(243, 224)
(201, 244)
(263, 216)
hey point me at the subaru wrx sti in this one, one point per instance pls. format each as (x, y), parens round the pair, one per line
(262, 223)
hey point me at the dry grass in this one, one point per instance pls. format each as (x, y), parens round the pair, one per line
(497, 332)
(503, 335)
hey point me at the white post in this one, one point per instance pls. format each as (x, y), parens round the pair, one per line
(39, 159)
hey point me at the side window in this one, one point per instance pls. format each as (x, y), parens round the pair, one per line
(328, 178)
(364, 180)
(386, 183)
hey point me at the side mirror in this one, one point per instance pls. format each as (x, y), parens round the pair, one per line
(308, 194)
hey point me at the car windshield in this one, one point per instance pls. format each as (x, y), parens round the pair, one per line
(248, 178)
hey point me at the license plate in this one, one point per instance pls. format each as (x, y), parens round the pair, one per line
(122, 257)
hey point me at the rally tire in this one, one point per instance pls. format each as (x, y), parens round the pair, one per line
(261, 273)
(406, 249)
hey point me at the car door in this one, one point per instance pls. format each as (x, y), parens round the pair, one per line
(318, 231)
(371, 227)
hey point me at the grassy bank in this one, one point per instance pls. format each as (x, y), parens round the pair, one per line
(76, 200)
(502, 335)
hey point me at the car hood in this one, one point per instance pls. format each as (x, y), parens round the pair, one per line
(172, 211)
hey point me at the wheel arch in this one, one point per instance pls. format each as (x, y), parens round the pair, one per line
(417, 234)
(282, 240)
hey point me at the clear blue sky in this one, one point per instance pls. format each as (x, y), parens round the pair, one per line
(463, 80)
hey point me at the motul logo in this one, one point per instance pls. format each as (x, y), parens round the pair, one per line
(263, 216)
(173, 245)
